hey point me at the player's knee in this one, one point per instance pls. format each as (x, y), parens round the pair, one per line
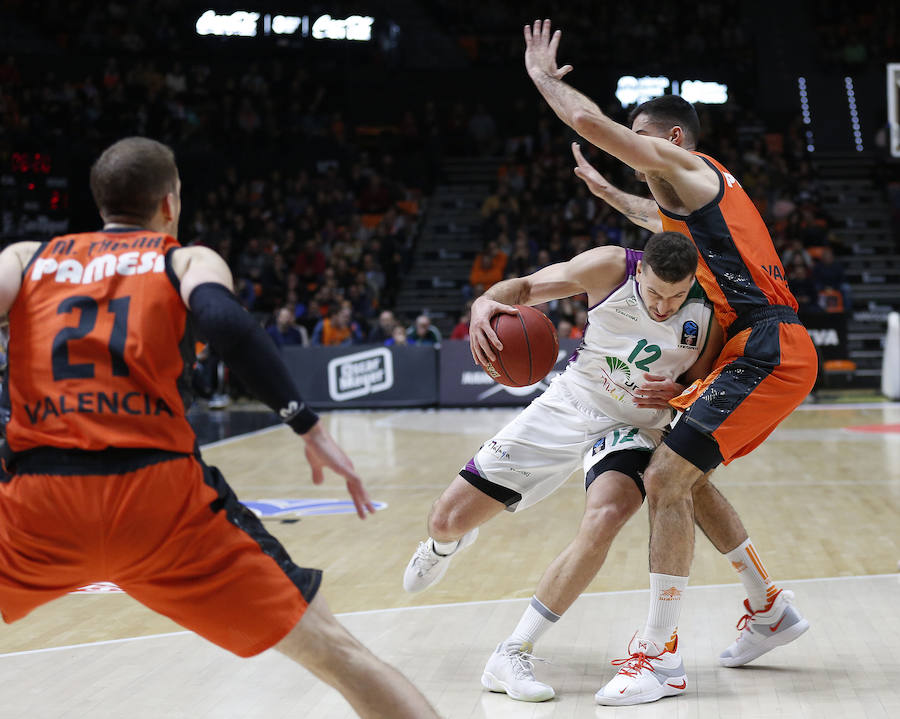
(601, 524)
(444, 521)
(660, 486)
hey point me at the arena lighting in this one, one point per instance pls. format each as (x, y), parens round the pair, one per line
(632, 90)
(807, 118)
(854, 115)
(325, 27)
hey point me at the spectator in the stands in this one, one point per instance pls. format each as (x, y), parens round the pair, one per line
(828, 275)
(310, 263)
(564, 329)
(802, 286)
(284, 331)
(461, 330)
(423, 332)
(397, 338)
(384, 328)
(338, 328)
(488, 267)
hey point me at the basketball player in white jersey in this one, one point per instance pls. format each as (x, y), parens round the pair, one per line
(650, 327)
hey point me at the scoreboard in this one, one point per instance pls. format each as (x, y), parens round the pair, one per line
(34, 196)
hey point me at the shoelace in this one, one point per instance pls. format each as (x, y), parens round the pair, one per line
(523, 663)
(424, 556)
(634, 664)
(745, 620)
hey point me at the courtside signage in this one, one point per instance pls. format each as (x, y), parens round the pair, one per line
(360, 374)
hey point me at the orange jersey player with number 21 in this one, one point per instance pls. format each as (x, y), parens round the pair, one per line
(107, 482)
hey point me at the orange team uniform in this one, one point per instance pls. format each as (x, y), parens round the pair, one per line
(107, 482)
(769, 364)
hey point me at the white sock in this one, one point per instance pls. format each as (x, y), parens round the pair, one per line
(445, 548)
(760, 587)
(665, 607)
(536, 620)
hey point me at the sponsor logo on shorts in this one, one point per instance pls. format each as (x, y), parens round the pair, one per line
(689, 334)
(99, 588)
(360, 374)
(497, 449)
(599, 446)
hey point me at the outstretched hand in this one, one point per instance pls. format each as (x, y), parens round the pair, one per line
(322, 451)
(540, 51)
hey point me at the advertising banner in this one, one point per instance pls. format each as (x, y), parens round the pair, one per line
(361, 376)
(465, 384)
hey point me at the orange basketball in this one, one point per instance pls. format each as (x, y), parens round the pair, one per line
(530, 347)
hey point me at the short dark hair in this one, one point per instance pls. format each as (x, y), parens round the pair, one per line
(671, 255)
(672, 110)
(132, 176)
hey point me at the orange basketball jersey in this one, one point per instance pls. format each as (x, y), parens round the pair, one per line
(739, 267)
(99, 347)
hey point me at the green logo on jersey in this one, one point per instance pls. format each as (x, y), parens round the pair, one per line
(614, 363)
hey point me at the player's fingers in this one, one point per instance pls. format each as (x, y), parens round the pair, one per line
(484, 342)
(563, 71)
(655, 377)
(507, 309)
(554, 41)
(545, 31)
(536, 30)
(528, 36)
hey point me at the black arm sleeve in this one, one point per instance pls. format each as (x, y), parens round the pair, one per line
(249, 352)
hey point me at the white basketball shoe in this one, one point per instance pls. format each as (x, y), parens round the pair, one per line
(777, 624)
(427, 567)
(650, 672)
(511, 670)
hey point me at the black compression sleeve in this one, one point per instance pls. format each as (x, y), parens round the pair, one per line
(249, 352)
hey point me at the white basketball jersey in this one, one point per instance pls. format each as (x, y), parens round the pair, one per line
(622, 342)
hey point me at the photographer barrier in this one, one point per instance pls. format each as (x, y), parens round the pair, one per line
(465, 384)
(365, 376)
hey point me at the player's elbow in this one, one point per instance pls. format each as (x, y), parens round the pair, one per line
(585, 123)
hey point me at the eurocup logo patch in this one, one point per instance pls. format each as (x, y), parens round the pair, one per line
(689, 334)
(599, 446)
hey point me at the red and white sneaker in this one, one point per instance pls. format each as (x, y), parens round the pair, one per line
(777, 624)
(650, 672)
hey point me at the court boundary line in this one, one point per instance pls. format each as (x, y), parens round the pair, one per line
(481, 602)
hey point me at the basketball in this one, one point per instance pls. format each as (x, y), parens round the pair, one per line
(530, 347)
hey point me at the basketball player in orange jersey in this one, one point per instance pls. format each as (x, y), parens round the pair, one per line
(107, 480)
(765, 370)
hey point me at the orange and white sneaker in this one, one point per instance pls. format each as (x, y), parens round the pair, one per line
(650, 672)
(777, 624)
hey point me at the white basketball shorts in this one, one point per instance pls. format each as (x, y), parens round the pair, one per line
(532, 456)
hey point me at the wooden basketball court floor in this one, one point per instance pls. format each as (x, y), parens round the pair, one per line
(821, 500)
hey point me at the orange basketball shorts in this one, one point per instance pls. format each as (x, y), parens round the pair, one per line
(172, 535)
(762, 374)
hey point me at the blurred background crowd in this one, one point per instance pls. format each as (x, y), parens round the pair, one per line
(317, 201)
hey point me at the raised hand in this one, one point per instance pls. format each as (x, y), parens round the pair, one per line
(585, 171)
(540, 51)
(322, 451)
